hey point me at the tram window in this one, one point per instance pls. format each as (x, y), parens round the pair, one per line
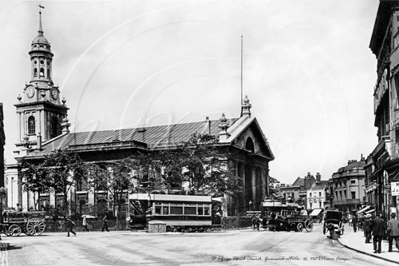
(206, 209)
(157, 209)
(176, 210)
(190, 210)
(200, 211)
(165, 210)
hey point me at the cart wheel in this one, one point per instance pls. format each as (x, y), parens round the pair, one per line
(299, 227)
(40, 227)
(309, 225)
(14, 230)
(35, 227)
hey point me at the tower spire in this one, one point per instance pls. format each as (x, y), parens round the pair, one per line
(40, 20)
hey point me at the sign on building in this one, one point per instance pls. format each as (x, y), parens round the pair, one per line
(395, 188)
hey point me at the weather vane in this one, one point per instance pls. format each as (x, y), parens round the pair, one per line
(40, 8)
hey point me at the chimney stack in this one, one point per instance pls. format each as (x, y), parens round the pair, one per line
(318, 178)
(207, 126)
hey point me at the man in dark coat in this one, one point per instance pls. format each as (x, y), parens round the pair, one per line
(70, 224)
(354, 223)
(367, 227)
(105, 224)
(378, 232)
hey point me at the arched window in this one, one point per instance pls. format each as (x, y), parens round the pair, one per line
(35, 72)
(41, 72)
(48, 73)
(249, 145)
(31, 125)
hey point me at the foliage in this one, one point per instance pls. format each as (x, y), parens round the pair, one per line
(58, 173)
(206, 166)
(115, 179)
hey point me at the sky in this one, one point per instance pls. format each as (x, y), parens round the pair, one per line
(307, 70)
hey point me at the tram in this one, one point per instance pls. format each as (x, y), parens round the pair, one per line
(178, 212)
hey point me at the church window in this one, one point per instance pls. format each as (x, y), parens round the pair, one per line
(31, 125)
(48, 73)
(41, 62)
(35, 62)
(250, 145)
(41, 72)
(35, 72)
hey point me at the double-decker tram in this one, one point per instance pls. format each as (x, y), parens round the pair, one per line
(178, 212)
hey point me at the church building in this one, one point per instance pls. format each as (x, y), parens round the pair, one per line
(44, 128)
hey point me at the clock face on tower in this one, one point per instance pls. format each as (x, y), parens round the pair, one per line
(30, 92)
(54, 94)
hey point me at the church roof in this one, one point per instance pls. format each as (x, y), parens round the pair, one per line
(153, 136)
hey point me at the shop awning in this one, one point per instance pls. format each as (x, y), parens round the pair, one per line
(315, 212)
(370, 211)
(362, 210)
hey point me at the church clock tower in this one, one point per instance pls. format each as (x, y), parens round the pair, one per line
(40, 111)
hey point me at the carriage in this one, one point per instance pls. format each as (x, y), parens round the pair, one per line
(288, 217)
(16, 222)
(333, 222)
(294, 222)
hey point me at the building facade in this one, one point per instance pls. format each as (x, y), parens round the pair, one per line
(43, 128)
(382, 166)
(316, 195)
(297, 192)
(347, 186)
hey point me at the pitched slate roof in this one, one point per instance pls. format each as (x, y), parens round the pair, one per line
(154, 136)
(299, 182)
(320, 186)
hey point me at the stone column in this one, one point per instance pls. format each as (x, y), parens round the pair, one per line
(241, 169)
(253, 183)
(20, 126)
(20, 191)
(264, 182)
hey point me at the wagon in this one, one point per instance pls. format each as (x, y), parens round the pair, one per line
(300, 222)
(333, 222)
(16, 222)
(291, 223)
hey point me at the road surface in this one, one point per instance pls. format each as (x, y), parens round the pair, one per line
(239, 247)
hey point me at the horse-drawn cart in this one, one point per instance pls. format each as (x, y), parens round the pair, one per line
(16, 222)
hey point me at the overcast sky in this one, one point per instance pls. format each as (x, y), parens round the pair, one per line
(308, 70)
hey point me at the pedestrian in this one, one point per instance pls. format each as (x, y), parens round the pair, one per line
(254, 221)
(84, 223)
(258, 222)
(367, 227)
(70, 225)
(105, 224)
(393, 232)
(378, 232)
(354, 223)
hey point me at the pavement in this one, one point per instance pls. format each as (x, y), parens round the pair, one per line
(356, 241)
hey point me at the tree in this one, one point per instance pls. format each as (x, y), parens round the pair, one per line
(207, 166)
(58, 173)
(115, 179)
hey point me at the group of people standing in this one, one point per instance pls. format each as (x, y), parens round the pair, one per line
(71, 224)
(377, 228)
